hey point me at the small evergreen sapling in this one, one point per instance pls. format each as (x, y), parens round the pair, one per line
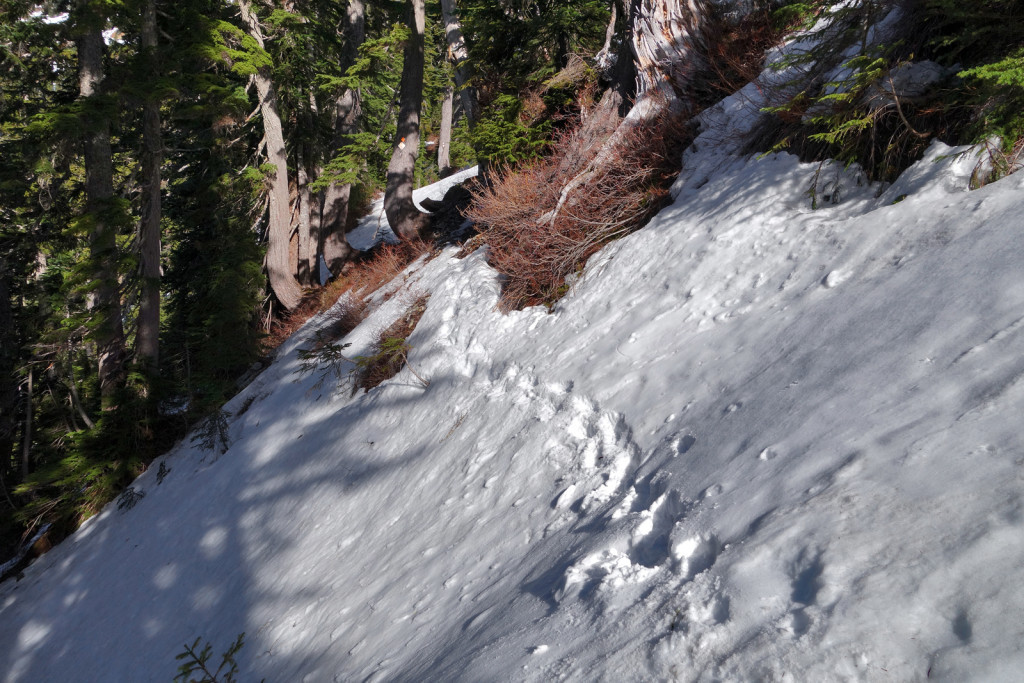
(215, 432)
(129, 498)
(196, 661)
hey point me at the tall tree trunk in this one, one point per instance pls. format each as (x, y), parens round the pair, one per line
(316, 206)
(108, 331)
(147, 341)
(405, 219)
(26, 433)
(76, 401)
(336, 249)
(280, 268)
(307, 252)
(458, 54)
(444, 139)
(315, 200)
(8, 381)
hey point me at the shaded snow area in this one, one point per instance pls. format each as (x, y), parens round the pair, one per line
(756, 441)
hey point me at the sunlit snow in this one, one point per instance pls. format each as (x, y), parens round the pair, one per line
(756, 441)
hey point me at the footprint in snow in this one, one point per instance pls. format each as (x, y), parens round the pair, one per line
(805, 583)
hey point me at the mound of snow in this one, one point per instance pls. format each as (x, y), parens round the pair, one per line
(756, 442)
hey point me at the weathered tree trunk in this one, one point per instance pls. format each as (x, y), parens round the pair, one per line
(8, 381)
(307, 252)
(667, 41)
(405, 219)
(444, 138)
(458, 54)
(26, 433)
(336, 249)
(280, 268)
(315, 211)
(108, 331)
(147, 341)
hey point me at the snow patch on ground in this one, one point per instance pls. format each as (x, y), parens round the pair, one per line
(756, 441)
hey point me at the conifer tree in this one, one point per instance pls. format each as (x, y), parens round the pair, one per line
(280, 267)
(336, 249)
(148, 335)
(101, 211)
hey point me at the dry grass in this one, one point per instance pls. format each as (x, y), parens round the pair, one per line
(287, 324)
(366, 276)
(390, 351)
(995, 162)
(736, 56)
(627, 186)
(341, 320)
(363, 277)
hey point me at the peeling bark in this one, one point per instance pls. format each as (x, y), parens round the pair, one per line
(666, 41)
(458, 55)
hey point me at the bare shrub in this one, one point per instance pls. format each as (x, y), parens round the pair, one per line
(328, 357)
(325, 353)
(342, 319)
(736, 57)
(363, 277)
(543, 220)
(286, 325)
(538, 237)
(367, 275)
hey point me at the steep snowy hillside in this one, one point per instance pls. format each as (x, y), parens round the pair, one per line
(756, 441)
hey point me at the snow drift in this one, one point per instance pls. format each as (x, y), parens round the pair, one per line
(755, 442)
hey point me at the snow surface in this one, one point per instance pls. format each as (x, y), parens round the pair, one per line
(374, 227)
(756, 441)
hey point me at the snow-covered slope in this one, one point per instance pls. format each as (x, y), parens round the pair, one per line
(755, 442)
